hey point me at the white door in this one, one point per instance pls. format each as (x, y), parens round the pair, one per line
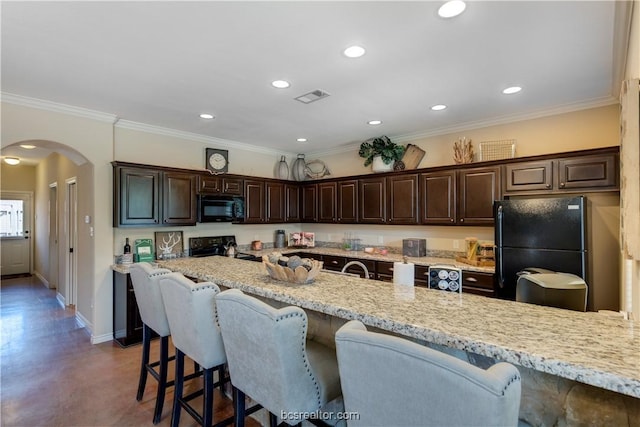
(72, 222)
(15, 223)
(53, 236)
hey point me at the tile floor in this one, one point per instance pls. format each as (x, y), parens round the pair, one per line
(51, 374)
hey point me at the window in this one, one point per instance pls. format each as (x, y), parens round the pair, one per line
(11, 218)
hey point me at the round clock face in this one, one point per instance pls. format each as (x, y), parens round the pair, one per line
(217, 161)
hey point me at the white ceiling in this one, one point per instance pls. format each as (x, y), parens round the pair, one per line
(164, 63)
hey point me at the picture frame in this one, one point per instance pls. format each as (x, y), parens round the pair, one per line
(169, 244)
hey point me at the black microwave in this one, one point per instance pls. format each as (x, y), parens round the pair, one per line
(220, 208)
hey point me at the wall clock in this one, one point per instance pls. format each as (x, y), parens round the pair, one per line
(217, 161)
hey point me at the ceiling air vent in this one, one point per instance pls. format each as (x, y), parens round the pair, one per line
(308, 98)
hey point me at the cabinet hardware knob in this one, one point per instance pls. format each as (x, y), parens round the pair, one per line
(390, 268)
(451, 220)
(562, 185)
(548, 185)
(334, 262)
(461, 219)
(470, 279)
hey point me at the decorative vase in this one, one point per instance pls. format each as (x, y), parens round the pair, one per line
(378, 165)
(298, 168)
(282, 169)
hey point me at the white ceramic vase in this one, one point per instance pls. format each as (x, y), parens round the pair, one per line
(378, 165)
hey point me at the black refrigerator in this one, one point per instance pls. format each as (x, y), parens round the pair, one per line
(547, 233)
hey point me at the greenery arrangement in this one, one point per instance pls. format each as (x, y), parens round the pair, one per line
(383, 147)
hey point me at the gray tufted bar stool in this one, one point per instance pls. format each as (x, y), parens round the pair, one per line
(270, 359)
(191, 312)
(425, 387)
(145, 279)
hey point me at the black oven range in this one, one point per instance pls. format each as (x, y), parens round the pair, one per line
(215, 246)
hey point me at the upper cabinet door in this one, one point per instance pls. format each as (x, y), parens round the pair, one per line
(527, 176)
(478, 188)
(586, 172)
(403, 199)
(438, 198)
(137, 197)
(327, 202)
(347, 205)
(179, 206)
(310, 203)
(275, 202)
(291, 203)
(372, 205)
(254, 201)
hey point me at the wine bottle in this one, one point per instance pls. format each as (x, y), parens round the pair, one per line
(127, 246)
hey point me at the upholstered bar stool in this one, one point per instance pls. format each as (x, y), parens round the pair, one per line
(149, 299)
(425, 387)
(192, 316)
(271, 361)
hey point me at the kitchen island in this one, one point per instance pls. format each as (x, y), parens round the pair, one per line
(576, 367)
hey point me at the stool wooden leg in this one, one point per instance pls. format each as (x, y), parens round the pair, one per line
(177, 389)
(146, 344)
(207, 401)
(238, 407)
(162, 378)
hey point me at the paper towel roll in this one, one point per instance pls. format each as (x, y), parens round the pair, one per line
(403, 274)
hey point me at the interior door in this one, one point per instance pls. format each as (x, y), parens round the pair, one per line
(72, 212)
(15, 223)
(53, 236)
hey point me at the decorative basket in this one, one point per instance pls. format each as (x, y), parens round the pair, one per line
(299, 275)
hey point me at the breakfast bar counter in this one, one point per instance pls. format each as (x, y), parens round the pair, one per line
(565, 347)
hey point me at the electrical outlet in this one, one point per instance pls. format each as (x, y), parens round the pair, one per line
(380, 240)
(456, 244)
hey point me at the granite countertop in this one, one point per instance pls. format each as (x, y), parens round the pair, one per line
(591, 348)
(390, 257)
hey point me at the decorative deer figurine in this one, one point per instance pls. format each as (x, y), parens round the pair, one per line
(168, 243)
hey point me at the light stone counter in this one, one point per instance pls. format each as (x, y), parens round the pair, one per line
(589, 348)
(390, 257)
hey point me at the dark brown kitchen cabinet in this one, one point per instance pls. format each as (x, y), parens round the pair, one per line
(357, 269)
(478, 283)
(254, 203)
(209, 184)
(327, 202)
(291, 203)
(438, 198)
(384, 271)
(179, 204)
(127, 324)
(588, 172)
(347, 205)
(421, 276)
(137, 195)
(528, 176)
(275, 202)
(309, 211)
(403, 199)
(372, 206)
(333, 263)
(477, 190)
(579, 173)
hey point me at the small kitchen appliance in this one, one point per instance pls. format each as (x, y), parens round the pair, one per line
(445, 278)
(216, 246)
(414, 247)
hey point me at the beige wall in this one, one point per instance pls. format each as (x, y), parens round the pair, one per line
(579, 130)
(18, 177)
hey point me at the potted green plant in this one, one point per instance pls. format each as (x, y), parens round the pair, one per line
(381, 153)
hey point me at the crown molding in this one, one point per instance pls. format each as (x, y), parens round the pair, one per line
(41, 104)
(209, 140)
(406, 138)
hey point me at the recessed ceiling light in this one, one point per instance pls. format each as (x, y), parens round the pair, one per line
(452, 8)
(280, 84)
(374, 122)
(511, 90)
(301, 139)
(354, 52)
(27, 146)
(11, 160)
(438, 107)
(207, 116)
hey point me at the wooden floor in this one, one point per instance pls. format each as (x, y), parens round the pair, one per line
(51, 374)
